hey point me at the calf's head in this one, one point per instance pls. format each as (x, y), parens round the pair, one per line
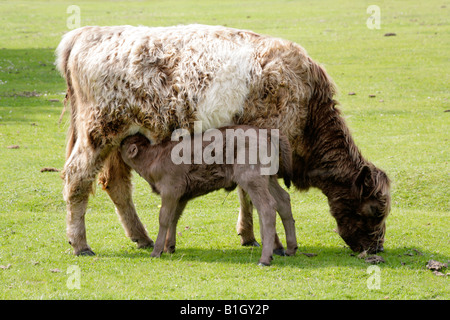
(133, 149)
(361, 212)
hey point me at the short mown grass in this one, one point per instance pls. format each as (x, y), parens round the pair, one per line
(404, 129)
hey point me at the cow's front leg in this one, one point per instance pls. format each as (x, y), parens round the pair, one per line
(77, 201)
(116, 180)
(244, 225)
(79, 174)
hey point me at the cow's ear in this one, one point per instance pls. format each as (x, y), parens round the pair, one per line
(363, 182)
(132, 151)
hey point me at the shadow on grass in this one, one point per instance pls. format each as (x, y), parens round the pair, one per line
(27, 76)
(411, 258)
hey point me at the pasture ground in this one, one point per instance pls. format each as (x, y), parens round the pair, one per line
(403, 128)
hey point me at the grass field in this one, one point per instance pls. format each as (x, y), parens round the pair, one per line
(404, 129)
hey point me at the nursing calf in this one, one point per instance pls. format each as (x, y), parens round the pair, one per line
(214, 165)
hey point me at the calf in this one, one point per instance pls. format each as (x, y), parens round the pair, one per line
(179, 181)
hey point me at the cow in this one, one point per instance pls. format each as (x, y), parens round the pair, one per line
(122, 80)
(233, 163)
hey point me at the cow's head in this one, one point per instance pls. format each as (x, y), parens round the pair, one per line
(362, 211)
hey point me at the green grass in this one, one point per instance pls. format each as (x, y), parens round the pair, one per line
(403, 130)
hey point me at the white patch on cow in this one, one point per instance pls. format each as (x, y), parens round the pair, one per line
(226, 94)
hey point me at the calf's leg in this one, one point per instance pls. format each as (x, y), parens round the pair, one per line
(283, 206)
(166, 218)
(116, 180)
(244, 225)
(278, 248)
(171, 234)
(257, 189)
(266, 209)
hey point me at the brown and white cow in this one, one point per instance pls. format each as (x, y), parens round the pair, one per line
(123, 80)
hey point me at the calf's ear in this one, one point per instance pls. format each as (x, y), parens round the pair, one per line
(132, 151)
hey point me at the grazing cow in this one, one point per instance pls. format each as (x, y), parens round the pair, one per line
(232, 164)
(122, 80)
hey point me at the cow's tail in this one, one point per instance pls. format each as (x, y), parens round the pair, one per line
(71, 133)
(285, 163)
(63, 52)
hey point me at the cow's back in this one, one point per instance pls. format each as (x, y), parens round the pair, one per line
(167, 77)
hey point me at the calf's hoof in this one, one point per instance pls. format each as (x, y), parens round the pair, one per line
(279, 252)
(265, 262)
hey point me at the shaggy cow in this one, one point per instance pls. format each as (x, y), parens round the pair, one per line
(123, 80)
(179, 183)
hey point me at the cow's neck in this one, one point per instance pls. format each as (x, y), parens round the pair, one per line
(332, 159)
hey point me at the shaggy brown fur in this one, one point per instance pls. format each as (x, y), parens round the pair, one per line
(357, 192)
(123, 80)
(178, 183)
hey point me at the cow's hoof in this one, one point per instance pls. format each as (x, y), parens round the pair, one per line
(291, 252)
(170, 249)
(252, 243)
(155, 254)
(263, 264)
(279, 252)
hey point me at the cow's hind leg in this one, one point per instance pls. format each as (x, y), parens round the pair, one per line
(79, 174)
(116, 180)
